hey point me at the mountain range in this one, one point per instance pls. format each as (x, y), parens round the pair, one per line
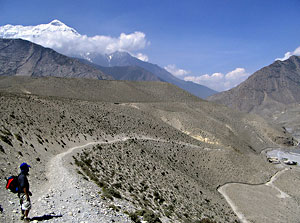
(121, 59)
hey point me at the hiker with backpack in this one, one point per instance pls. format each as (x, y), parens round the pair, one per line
(19, 184)
(23, 191)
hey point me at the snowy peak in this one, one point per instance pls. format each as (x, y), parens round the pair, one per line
(28, 32)
(58, 26)
(56, 22)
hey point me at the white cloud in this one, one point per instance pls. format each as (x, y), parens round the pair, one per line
(66, 40)
(77, 45)
(287, 55)
(141, 56)
(219, 81)
(236, 75)
(176, 71)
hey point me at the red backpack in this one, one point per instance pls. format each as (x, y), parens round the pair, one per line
(12, 184)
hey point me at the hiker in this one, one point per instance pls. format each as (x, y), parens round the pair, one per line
(24, 193)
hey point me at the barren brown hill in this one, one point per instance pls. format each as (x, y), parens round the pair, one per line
(92, 90)
(160, 153)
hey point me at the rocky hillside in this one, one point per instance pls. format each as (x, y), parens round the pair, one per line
(160, 159)
(23, 58)
(267, 90)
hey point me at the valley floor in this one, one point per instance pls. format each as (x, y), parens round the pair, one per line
(275, 201)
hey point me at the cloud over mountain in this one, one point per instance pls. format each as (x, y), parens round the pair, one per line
(287, 55)
(220, 81)
(66, 40)
(176, 71)
(141, 57)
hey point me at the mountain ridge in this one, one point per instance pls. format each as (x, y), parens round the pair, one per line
(24, 58)
(274, 86)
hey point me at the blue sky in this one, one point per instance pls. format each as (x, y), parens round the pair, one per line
(197, 36)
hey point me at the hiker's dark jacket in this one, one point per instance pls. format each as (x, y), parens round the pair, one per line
(23, 183)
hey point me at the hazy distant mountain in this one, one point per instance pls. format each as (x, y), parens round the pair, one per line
(23, 58)
(125, 59)
(130, 73)
(271, 87)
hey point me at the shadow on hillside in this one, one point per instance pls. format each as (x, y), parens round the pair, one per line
(45, 217)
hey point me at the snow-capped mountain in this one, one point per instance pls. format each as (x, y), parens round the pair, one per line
(55, 35)
(29, 32)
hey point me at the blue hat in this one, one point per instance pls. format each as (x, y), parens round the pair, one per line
(24, 166)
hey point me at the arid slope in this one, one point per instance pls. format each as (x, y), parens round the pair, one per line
(195, 145)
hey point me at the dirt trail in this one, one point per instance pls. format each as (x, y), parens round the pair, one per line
(67, 198)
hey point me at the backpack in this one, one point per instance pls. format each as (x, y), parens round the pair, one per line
(12, 184)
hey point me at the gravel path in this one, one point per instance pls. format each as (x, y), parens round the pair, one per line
(68, 198)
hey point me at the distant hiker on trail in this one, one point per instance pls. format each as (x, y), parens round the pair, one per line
(24, 193)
